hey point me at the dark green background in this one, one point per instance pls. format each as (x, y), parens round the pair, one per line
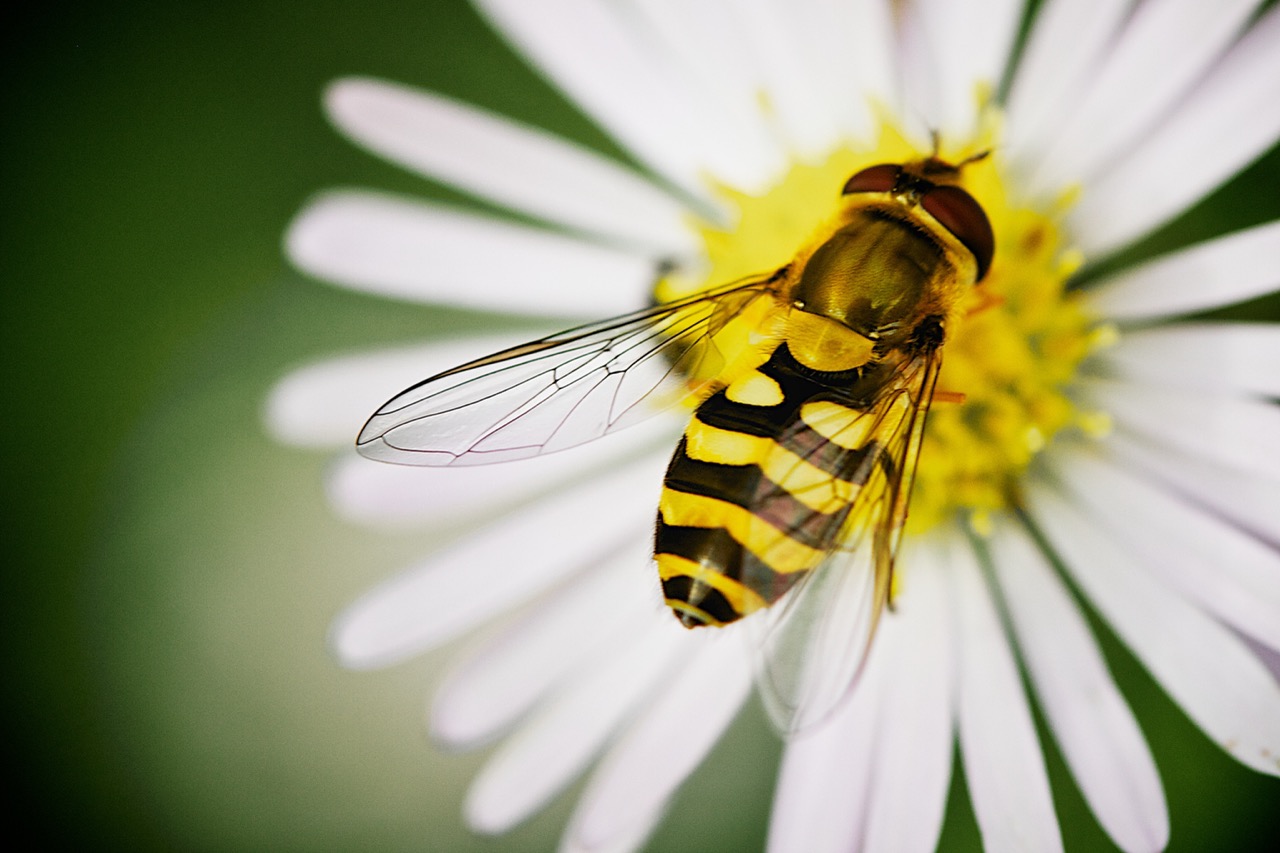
(170, 572)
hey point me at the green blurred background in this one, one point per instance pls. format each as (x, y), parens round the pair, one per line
(170, 572)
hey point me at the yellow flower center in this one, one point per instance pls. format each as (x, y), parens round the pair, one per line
(1009, 357)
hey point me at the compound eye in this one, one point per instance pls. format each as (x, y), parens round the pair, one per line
(960, 213)
(874, 179)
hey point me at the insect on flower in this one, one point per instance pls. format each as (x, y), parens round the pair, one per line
(810, 387)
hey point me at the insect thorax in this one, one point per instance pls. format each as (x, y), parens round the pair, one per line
(880, 275)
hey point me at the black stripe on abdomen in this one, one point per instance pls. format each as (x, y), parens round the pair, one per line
(712, 547)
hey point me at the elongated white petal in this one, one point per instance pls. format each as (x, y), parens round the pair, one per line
(848, 45)
(1094, 726)
(506, 675)
(912, 772)
(820, 803)
(874, 775)
(1207, 669)
(514, 165)
(1225, 123)
(325, 404)
(1223, 570)
(644, 768)
(1162, 51)
(585, 48)
(789, 80)
(558, 743)
(431, 253)
(495, 568)
(1246, 500)
(1240, 432)
(968, 42)
(1217, 272)
(706, 45)
(1062, 54)
(1242, 357)
(376, 493)
(1002, 761)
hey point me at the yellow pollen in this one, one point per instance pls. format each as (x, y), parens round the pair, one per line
(1012, 352)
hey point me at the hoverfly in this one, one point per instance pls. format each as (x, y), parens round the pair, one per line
(810, 386)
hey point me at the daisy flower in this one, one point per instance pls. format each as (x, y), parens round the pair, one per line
(1108, 454)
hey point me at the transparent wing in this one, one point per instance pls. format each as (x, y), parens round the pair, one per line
(562, 390)
(815, 641)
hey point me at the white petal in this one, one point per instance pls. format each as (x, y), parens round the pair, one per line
(969, 42)
(558, 743)
(371, 492)
(586, 49)
(1003, 764)
(1217, 272)
(1094, 726)
(1235, 431)
(1223, 570)
(1062, 53)
(1162, 51)
(432, 253)
(1241, 357)
(1227, 122)
(875, 774)
(1251, 502)
(1206, 668)
(495, 568)
(325, 404)
(514, 165)
(705, 43)
(670, 739)
(504, 677)
(820, 803)
(788, 78)
(912, 772)
(848, 45)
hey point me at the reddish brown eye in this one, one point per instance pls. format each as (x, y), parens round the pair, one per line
(874, 179)
(959, 213)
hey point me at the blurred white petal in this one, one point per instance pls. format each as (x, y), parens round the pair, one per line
(1179, 543)
(514, 165)
(820, 803)
(431, 253)
(1243, 357)
(848, 46)
(912, 773)
(1061, 57)
(645, 767)
(1216, 272)
(706, 45)
(1236, 431)
(1205, 667)
(1162, 51)
(968, 43)
(553, 748)
(324, 404)
(1227, 122)
(1003, 764)
(788, 77)
(1246, 500)
(500, 680)
(1091, 721)
(586, 49)
(495, 568)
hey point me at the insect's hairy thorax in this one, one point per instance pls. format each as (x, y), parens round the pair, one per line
(881, 271)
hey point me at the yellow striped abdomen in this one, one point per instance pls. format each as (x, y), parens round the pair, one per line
(760, 486)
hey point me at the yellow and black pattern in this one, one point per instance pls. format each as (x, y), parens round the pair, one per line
(761, 485)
